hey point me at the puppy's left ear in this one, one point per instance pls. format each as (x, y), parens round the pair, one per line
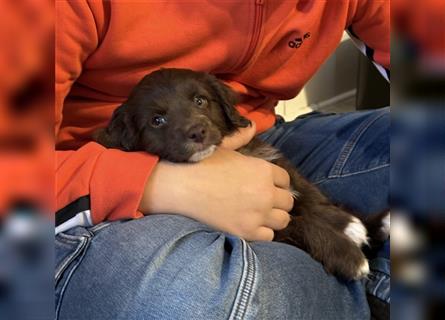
(227, 100)
(120, 133)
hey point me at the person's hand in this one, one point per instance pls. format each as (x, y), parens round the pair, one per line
(241, 195)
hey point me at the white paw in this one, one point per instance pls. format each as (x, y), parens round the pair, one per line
(357, 232)
(363, 270)
(386, 224)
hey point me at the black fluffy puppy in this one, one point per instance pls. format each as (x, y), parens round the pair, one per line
(182, 115)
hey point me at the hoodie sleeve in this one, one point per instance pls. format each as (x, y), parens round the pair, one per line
(93, 183)
(369, 28)
(111, 180)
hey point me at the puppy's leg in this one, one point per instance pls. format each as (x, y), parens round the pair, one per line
(335, 251)
(308, 197)
(378, 226)
(330, 234)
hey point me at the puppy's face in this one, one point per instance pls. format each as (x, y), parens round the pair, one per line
(177, 114)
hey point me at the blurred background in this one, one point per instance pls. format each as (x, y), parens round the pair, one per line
(418, 159)
(347, 81)
(26, 159)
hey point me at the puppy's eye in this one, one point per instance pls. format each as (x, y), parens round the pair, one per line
(200, 101)
(158, 121)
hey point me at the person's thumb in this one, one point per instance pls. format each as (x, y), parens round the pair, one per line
(239, 138)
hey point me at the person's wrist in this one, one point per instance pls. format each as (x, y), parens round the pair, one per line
(164, 189)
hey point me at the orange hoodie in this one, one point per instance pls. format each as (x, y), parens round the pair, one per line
(265, 50)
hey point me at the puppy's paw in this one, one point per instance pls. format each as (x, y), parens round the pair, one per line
(362, 271)
(349, 263)
(357, 232)
(386, 224)
(379, 228)
(339, 253)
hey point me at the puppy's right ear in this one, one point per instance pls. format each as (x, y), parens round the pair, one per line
(120, 133)
(227, 100)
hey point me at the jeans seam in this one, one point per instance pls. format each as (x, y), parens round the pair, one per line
(363, 171)
(351, 174)
(71, 257)
(62, 291)
(93, 230)
(349, 147)
(247, 282)
(375, 287)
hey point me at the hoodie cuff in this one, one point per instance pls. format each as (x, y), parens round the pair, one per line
(117, 184)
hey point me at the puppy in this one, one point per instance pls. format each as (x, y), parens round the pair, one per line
(181, 116)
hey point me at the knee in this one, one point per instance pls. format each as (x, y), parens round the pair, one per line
(148, 264)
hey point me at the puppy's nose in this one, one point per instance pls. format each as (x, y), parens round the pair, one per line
(197, 133)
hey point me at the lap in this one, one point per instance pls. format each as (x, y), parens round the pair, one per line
(347, 155)
(171, 267)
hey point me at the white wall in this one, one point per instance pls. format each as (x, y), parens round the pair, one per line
(333, 86)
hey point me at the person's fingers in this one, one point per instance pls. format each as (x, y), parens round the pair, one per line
(280, 177)
(239, 138)
(277, 219)
(283, 199)
(263, 234)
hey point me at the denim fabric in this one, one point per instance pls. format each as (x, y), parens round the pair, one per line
(172, 267)
(348, 157)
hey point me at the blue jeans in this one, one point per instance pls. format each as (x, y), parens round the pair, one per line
(172, 267)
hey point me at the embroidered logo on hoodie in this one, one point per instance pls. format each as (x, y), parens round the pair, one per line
(297, 42)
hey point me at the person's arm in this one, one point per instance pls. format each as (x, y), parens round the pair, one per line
(369, 29)
(96, 183)
(244, 196)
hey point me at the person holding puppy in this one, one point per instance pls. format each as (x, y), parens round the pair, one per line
(110, 233)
